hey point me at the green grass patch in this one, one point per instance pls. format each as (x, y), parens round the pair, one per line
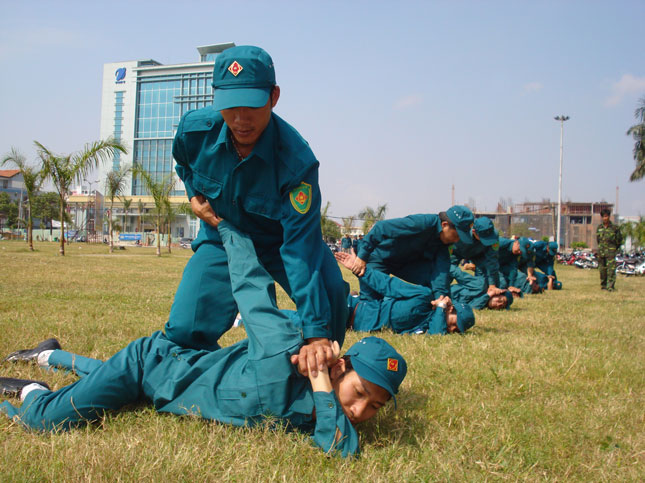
(553, 389)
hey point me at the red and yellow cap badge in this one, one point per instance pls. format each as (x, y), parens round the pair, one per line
(392, 364)
(235, 68)
(301, 198)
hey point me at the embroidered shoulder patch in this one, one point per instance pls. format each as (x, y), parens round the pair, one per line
(495, 246)
(301, 198)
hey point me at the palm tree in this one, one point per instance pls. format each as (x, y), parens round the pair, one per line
(171, 213)
(127, 202)
(70, 168)
(637, 131)
(141, 208)
(160, 192)
(115, 183)
(33, 180)
(370, 216)
(329, 228)
(348, 224)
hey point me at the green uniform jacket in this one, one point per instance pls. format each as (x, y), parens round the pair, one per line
(609, 239)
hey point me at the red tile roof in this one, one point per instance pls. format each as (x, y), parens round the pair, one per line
(8, 173)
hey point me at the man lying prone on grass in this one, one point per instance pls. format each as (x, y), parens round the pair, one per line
(238, 385)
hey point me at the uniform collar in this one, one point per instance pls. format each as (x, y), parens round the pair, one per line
(263, 149)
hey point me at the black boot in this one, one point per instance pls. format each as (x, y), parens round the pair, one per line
(32, 354)
(12, 387)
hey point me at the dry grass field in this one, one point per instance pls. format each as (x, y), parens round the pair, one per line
(553, 389)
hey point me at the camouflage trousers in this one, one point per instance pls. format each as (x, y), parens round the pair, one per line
(607, 269)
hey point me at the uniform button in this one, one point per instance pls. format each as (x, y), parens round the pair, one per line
(234, 202)
(209, 123)
(243, 394)
(331, 405)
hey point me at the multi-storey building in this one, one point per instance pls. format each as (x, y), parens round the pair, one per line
(142, 103)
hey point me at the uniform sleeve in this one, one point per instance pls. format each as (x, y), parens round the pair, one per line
(182, 167)
(390, 229)
(470, 282)
(437, 324)
(491, 260)
(303, 255)
(333, 432)
(393, 287)
(619, 237)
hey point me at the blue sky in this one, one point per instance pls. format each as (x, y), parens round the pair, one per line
(399, 100)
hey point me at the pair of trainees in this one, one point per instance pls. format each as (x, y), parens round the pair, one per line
(403, 307)
(238, 385)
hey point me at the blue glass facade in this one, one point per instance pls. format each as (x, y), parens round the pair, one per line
(118, 127)
(161, 101)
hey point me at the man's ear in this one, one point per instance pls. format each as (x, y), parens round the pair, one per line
(337, 369)
(275, 95)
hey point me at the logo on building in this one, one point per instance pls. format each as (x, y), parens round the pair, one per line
(119, 74)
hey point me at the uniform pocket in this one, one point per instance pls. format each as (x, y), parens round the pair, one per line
(262, 205)
(207, 186)
(244, 402)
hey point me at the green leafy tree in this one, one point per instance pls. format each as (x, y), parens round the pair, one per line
(67, 169)
(33, 179)
(8, 209)
(637, 132)
(370, 216)
(579, 245)
(115, 183)
(46, 207)
(330, 230)
(160, 192)
(635, 231)
(520, 229)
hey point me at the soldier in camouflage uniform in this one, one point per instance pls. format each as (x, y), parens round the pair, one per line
(609, 240)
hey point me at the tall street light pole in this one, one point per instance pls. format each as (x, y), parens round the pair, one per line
(561, 119)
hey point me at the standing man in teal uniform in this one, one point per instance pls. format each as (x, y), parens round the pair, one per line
(346, 243)
(241, 162)
(414, 248)
(239, 385)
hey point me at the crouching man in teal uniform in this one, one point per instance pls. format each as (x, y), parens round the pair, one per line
(236, 385)
(404, 307)
(545, 253)
(474, 291)
(481, 251)
(414, 248)
(241, 162)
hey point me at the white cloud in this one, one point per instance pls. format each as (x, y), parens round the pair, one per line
(532, 87)
(628, 84)
(408, 101)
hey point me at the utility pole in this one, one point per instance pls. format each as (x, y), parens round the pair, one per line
(561, 119)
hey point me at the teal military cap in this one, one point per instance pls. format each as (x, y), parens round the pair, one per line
(242, 77)
(465, 316)
(553, 248)
(509, 299)
(526, 246)
(378, 362)
(486, 231)
(463, 219)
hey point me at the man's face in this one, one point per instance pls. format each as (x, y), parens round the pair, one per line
(497, 302)
(448, 234)
(359, 398)
(247, 123)
(605, 219)
(516, 247)
(451, 320)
